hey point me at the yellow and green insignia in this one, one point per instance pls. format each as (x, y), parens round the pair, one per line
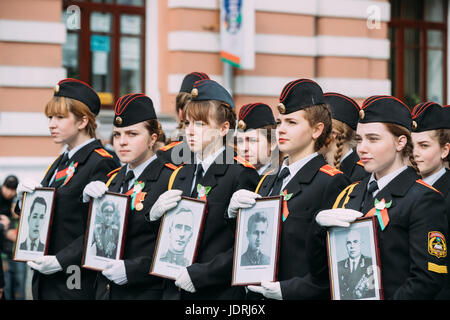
(436, 244)
(103, 153)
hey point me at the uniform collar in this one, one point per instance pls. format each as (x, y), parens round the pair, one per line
(383, 182)
(78, 147)
(297, 165)
(431, 180)
(206, 163)
(140, 168)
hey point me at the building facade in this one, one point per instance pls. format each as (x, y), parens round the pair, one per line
(356, 47)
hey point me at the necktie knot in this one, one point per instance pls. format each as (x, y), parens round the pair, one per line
(284, 173)
(64, 161)
(373, 186)
(126, 181)
(279, 182)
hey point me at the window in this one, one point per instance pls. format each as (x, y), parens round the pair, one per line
(106, 49)
(418, 66)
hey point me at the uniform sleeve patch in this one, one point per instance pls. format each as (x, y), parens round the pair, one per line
(436, 244)
(170, 146)
(244, 162)
(436, 268)
(332, 171)
(103, 153)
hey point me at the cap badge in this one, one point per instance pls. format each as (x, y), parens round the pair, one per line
(57, 88)
(281, 108)
(242, 125)
(119, 120)
(361, 114)
(414, 125)
(194, 93)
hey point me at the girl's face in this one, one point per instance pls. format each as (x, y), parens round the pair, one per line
(133, 144)
(65, 130)
(428, 153)
(378, 149)
(295, 136)
(204, 138)
(252, 145)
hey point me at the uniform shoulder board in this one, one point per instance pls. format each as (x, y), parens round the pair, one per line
(170, 145)
(332, 171)
(360, 163)
(112, 172)
(171, 166)
(103, 153)
(420, 181)
(244, 162)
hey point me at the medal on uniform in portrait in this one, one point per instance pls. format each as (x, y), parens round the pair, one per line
(137, 196)
(66, 173)
(286, 198)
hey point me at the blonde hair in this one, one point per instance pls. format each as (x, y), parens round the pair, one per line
(63, 105)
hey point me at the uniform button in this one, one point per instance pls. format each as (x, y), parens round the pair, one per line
(107, 286)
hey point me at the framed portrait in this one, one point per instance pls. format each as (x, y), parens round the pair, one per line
(178, 238)
(34, 224)
(105, 234)
(256, 246)
(354, 261)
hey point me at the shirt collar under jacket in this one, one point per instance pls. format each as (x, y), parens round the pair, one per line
(74, 150)
(295, 167)
(434, 177)
(140, 168)
(383, 182)
(347, 154)
(207, 162)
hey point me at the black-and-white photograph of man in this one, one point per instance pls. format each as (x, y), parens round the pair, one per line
(256, 235)
(35, 220)
(106, 233)
(180, 234)
(356, 271)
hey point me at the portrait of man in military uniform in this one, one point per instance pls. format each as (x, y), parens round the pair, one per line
(256, 234)
(106, 232)
(179, 236)
(356, 271)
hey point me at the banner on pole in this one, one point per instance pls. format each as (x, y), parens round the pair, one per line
(237, 33)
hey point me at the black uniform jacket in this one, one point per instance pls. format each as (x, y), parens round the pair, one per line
(443, 185)
(140, 240)
(69, 226)
(211, 273)
(410, 266)
(177, 153)
(312, 190)
(353, 168)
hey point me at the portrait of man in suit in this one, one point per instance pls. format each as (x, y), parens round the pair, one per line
(180, 234)
(256, 233)
(35, 221)
(355, 272)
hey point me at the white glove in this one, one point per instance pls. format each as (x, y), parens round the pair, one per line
(27, 185)
(115, 271)
(339, 217)
(94, 189)
(269, 289)
(168, 200)
(45, 265)
(241, 199)
(184, 281)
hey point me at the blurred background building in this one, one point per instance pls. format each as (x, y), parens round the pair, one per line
(356, 47)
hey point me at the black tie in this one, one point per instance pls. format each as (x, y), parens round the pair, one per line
(33, 245)
(279, 182)
(368, 200)
(126, 181)
(198, 179)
